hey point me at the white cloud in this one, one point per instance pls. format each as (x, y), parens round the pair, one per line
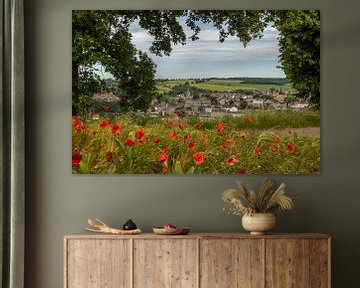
(208, 44)
(209, 50)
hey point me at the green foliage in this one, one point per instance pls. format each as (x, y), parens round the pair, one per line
(300, 50)
(178, 169)
(223, 85)
(90, 82)
(84, 105)
(137, 84)
(107, 109)
(255, 80)
(246, 25)
(185, 89)
(102, 37)
(267, 120)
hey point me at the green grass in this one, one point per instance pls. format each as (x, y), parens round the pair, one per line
(221, 85)
(254, 147)
(268, 119)
(272, 119)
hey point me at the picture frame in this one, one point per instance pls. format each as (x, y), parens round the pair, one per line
(144, 104)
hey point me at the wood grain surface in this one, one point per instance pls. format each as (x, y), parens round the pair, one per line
(165, 263)
(88, 235)
(287, 263)
(319, 263)
(98, 264)
(197, 261)
(231, 263)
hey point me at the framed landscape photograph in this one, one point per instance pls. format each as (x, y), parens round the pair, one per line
(196, 92)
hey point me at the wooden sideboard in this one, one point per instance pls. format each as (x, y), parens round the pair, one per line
(197, 260)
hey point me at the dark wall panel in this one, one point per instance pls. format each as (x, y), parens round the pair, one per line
(59, 202)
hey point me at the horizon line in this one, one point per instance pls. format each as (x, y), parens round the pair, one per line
(225, 77)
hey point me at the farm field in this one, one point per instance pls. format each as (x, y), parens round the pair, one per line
(220, 85)
(256, 143)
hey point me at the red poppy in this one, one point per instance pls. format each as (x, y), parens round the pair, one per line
(76, 121)
(105, 124)
(141, 141)
(243, 171)
(77, 128)
(223, 147)
(130, 142)
(162, 158)
(220, 126)
(109, 156)
(192, 146)
(186, 138)
(249, 120)
(291, 148)
(229, 141)
(76, 159)
(266, 145)
(175, 116)
(198, 126)
(172, 136)
(76, 124)
(199, 158)
(275, 148)
(139, 134)
(169, 123)
(258, 150)
(276, 140)
(156, 141)
(115, 128)
(95, 132)
(231, 160)
(165, 150)
(181, 126)
(106, 108)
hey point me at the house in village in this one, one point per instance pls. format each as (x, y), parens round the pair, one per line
(106, 97)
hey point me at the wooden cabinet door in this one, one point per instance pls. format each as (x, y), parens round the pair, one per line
(287, 263)
(320, 263)
(231, 263)
(296, 263)
(165, 263)
(98, 263)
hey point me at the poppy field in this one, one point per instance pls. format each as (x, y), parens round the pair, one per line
(251, 144)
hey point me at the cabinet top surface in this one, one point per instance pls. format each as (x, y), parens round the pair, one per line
(87, 235)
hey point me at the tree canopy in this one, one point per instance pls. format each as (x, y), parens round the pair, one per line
(104, 37)
(300, 50)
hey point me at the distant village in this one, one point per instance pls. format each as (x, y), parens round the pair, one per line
(220, 103)
(217, 104)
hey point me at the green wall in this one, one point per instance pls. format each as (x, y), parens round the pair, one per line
(59, 203)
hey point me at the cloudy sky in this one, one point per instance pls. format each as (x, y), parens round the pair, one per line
(207, 57)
